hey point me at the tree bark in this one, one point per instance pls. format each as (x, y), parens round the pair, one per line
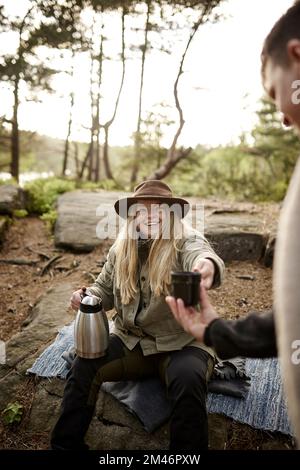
(107, 125)
(174, 156)
(15, 139)
(67, 141)
(97, 117)
(107, 168)
(137, 140)
(85, 161)
(89, 158)
(76, 158)
(169, 164)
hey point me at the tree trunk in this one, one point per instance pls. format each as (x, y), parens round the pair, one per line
(98, 156)
(90, 153)
(107, 168)
(15, 139)
(174, 155)
(67, 141)
(137, 140)
(169, 164)
(107, 125)
(86, 160)
(91, 157)
(76, 158)
(97, 118)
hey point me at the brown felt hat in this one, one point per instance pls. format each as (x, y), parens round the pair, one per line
(151, 189)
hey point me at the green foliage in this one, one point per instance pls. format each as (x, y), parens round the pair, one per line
(20, 213)
(8, 181)
(258, 172)
(42, 193)
(50, 219)
(12, 413)
(278, 146)
(107, 184)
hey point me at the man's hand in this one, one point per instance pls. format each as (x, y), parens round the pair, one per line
(189, 318)
(207, 270)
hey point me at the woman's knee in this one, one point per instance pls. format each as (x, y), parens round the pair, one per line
(189, 369)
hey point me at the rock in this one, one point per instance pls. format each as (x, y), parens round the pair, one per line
(4, 370)
(11, 310)
(108, 436)
(77, 221)
(112, 427)
(54, 386)
(8, 387)
(276, 444)
(111, 431)
(26, 363)
(218, 431)
(44, 411)
(11, 198)
(114, 413)
(237, 236)
(3, 227)
(270, 250)
(49, 315)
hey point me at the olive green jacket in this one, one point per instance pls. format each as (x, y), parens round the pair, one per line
(147, 318)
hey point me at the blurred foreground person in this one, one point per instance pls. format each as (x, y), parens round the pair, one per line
(281, 79)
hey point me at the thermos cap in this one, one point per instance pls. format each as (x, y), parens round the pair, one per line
(90, 300)
(90, 304)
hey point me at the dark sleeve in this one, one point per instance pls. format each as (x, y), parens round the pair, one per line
(253, 336)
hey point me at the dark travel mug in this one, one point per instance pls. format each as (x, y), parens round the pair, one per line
(185, 285)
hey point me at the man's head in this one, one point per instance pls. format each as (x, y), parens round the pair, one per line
(281, 65)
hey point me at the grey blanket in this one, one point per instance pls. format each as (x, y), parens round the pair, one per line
(260, 405)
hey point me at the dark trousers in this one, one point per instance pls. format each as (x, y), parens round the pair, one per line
(185, 374)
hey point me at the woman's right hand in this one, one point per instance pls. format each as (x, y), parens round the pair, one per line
(76, 298)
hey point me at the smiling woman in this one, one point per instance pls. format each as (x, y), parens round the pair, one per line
(146, 340)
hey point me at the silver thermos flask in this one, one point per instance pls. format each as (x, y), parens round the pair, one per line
(91, 330)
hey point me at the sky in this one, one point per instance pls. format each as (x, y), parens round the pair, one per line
(219, 90)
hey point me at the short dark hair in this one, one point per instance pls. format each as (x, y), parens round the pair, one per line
(286, 28)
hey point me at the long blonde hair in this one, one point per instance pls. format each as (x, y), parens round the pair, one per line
(162, 259)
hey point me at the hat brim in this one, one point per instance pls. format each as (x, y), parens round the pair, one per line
(122, 205)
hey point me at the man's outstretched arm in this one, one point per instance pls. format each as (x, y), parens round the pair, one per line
(252, 336)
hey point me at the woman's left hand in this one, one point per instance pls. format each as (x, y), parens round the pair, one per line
(207, 270)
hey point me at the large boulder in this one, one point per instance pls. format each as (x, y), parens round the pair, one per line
(236, 236)
(3, 227)
(270, 249)
(85, 218)
(111, 428)
(81, 214)
(11, 198)
(49, 315)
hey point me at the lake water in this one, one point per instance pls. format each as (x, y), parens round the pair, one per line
(28, 176)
